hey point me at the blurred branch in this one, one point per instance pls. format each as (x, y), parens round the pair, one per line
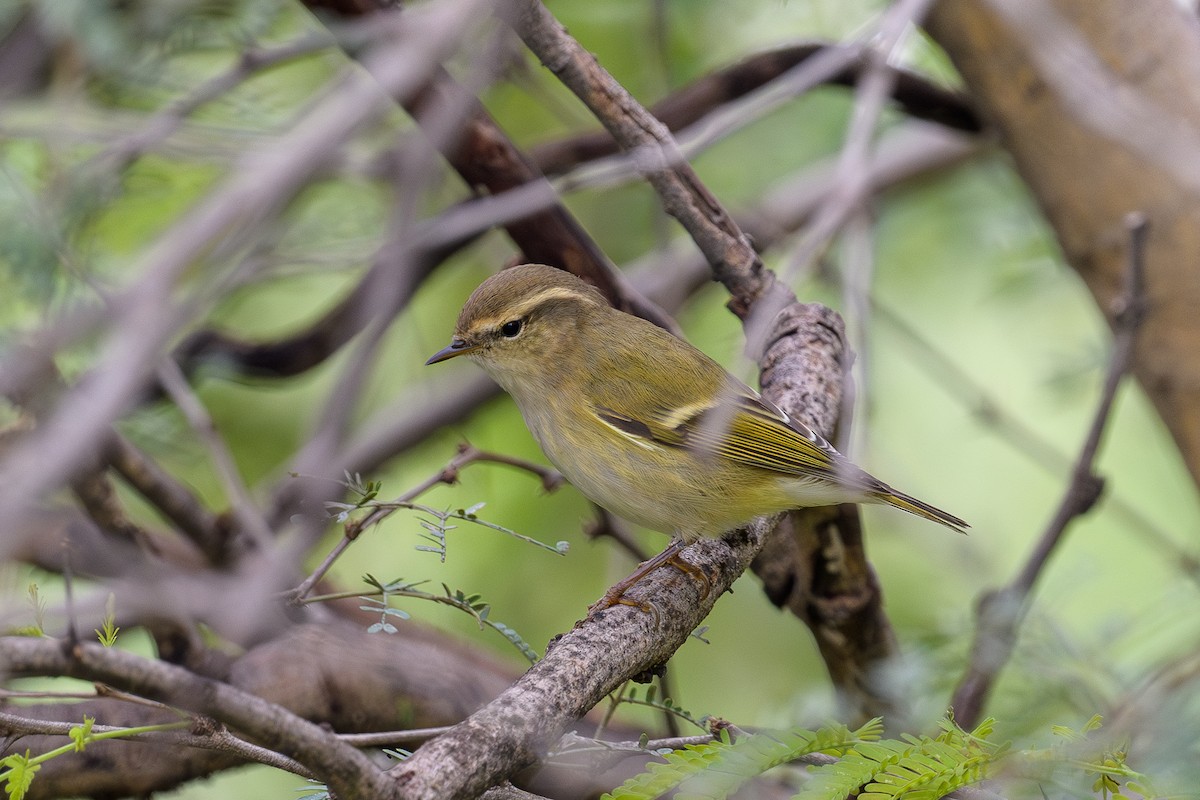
(916, 96)
(873, 90)
(343, 768)
(262, 181)
(252, 62)
(97, 496)
(212, 739)
(1001, 611)
(486, 159)
(172, 499)
(25, 52)
(249, 518)
(1105, 133)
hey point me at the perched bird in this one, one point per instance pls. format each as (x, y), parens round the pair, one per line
(645, 424)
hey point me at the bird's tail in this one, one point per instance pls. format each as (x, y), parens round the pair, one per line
(922, 509)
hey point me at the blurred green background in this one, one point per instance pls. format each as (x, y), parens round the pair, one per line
(962, 257)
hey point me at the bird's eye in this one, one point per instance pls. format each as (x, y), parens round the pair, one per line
(510, 329)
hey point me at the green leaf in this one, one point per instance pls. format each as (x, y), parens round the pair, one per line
(19, 776)
(718, 769)
(80, 734)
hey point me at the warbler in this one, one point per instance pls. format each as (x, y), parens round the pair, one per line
(644, 423)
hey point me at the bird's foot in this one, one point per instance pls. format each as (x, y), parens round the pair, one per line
(668, 557)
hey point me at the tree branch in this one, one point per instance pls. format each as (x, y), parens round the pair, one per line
(579, 669)
(346, 771)
(1001, 611)
(915, 94)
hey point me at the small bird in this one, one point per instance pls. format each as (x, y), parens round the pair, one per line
(645, 424)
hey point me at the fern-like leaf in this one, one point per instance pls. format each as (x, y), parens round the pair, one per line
(716, 770)
(680, 764)
(917, 768)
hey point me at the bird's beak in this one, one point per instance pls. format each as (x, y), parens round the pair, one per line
(457, 347)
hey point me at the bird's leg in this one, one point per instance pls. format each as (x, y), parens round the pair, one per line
(670, 555)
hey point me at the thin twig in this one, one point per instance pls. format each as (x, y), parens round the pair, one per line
(166, 121)
(112, 693)
(253, 523)
(873, 92)
(1001, 611)
(173, 499)
(392, 738)
(609, 526)
(466, 455)
(1012, 429)
(217, 739)
(69, 587)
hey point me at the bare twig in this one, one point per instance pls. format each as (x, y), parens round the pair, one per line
(874, 89)
(730, 98)
(609, 526)
(1025, 439)
(173, 499)
(252, 62)
(393, 738)
(1000, 612)
(251, 520)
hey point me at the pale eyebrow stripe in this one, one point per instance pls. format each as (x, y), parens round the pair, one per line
(546, 295)
(542, 297)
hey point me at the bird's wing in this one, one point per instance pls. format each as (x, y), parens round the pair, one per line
(742, 427)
